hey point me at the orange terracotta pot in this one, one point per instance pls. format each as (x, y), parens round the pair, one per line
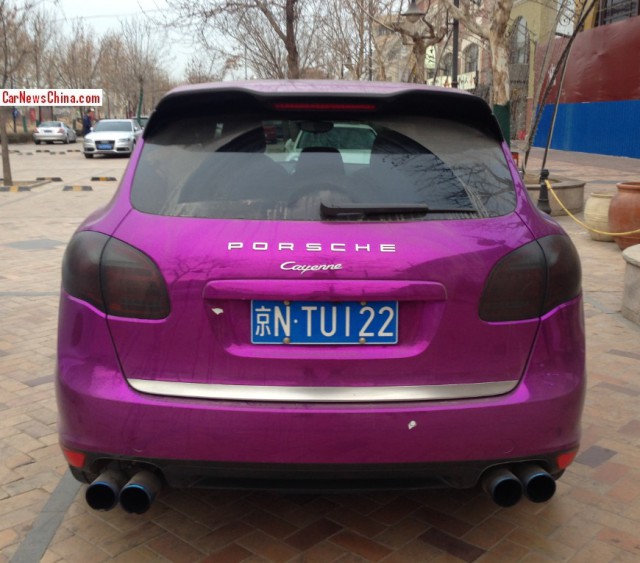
(624, 213)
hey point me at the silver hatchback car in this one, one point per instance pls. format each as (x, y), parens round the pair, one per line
(112, 137)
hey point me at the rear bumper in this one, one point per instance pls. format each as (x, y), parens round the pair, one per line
(313, 477)
(448, 442)
(43, 138)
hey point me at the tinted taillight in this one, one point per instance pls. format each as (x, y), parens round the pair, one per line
(81, 267)
(114, 277)
(564, 273)
(532, 280)
(132, 284)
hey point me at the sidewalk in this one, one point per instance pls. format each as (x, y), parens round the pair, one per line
(594, 517)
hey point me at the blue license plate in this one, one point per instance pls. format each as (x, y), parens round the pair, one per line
(320, 322)
(104, 146)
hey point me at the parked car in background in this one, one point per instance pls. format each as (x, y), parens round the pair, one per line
(112, 137)
(401, 318)
(52, 132)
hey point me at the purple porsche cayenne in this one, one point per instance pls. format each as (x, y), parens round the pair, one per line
(383, 307)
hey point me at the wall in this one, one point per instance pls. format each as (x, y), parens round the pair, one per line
(599, 109)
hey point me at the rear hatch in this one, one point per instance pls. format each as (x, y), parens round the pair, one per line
(321, 277)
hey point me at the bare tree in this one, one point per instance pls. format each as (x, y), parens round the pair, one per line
(345, 37)
(430, 29)
(111, 76)
(78, 58)
(42, 32)
(143, 47)
(491, 22)
(254, 26)
(14, 51)
(210, 69)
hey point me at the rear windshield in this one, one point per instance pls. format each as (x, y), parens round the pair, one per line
(113, 126)
(390, 168)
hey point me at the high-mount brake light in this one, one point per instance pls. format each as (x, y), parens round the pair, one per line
(532, 280)
(328, 106)
(114, 277)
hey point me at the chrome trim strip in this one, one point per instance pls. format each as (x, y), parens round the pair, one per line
(283, 394)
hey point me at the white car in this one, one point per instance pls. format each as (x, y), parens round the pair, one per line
(52, 131)
(112, 137)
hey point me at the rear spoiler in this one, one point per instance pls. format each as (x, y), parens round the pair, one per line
(293, 104)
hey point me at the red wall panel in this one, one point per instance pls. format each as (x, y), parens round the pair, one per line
(604, 64)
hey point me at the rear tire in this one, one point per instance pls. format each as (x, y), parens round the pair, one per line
(37, 142)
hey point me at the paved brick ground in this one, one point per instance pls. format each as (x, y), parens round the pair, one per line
(595, 516)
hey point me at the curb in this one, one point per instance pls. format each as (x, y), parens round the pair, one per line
(77, 189)
(15, 189)
(103, 179)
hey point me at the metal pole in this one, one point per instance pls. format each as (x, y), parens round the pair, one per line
(370, 43)
(456, 26)
(543, 197)
(555, 108)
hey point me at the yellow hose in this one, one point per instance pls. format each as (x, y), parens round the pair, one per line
(553, 193)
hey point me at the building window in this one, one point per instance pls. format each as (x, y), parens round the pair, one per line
(616, 10)
(447, 64)
(519, 42)
(471, 58)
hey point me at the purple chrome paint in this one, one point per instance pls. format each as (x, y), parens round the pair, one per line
(437, 271)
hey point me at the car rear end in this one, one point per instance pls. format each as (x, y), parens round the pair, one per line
(406, 318)
(49, 132)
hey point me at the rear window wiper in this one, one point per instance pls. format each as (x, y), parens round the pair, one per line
(366, 209)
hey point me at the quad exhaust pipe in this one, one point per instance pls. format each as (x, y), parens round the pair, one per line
(135, 496)
(538, 485)
(506, 487)
(104, 492)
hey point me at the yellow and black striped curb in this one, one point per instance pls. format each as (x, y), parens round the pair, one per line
(77, 189)
(15, 189)
(103, 179)
(49, 178)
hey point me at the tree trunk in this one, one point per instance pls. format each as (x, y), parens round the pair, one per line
(498, 39)
(293, 59)
(501, 87)
(6, 164)
(419, 55)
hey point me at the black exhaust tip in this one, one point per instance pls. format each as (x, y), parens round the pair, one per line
(539, 486)
(103, 493)
(502, 486)
(137, 496)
